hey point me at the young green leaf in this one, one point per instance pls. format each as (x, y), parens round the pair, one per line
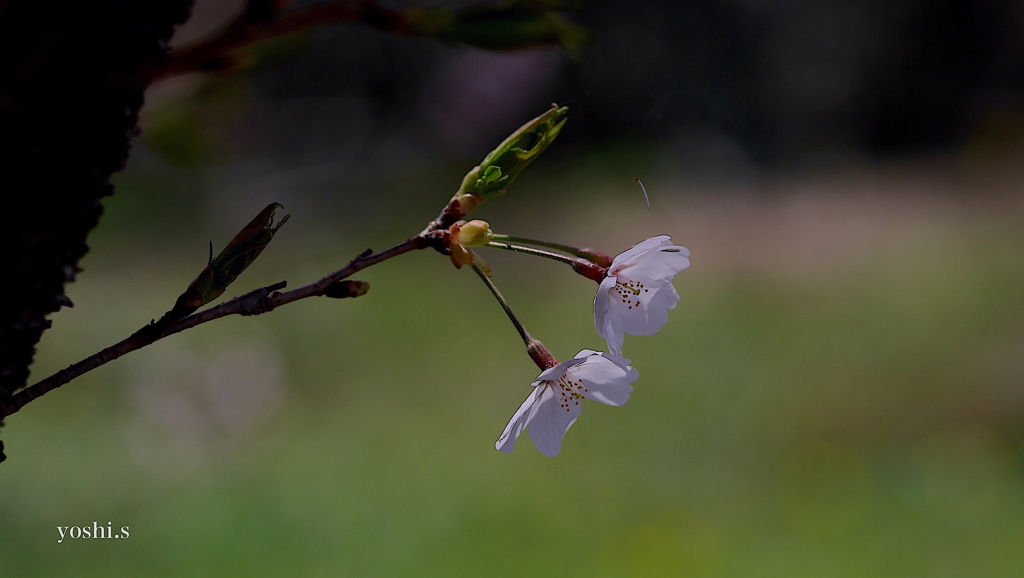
(519, 150)
(504, 163)
(229, 264)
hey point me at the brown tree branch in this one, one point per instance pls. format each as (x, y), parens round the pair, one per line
(255, 302)
(213, 54)
(497, 25)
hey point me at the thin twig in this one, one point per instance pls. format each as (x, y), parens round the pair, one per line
(504, 305)
(534, 348)
(587, 268)
(531, 251)
(255, 302)
(584, 252)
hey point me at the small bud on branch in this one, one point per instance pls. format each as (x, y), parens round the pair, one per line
(344, 289)
(462, 236)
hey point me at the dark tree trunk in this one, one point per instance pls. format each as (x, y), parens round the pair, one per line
(72, 76)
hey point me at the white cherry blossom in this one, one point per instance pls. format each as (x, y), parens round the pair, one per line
(553, 406)
(637, 292)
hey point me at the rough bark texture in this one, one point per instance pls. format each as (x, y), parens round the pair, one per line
(72, 76)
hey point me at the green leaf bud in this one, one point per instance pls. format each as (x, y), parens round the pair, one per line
(503, 164)
(520, 149)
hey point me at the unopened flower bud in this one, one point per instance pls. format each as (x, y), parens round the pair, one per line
(462, 236)
(475, 233)
(459, 253)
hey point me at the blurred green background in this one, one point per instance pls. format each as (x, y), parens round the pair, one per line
(840, 391)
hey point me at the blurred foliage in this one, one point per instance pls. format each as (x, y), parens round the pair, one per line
(847, 416)
(503, 25)
(838, 393)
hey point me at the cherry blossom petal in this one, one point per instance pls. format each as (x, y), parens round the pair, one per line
(644, 312)
(560, 369)
(640, 249)
(602, 301)
(637, 293)
(651, 314)
(519, 421)
(549, 421)
(617, 359)
(606, 380)
(660, 263)
(554, 405)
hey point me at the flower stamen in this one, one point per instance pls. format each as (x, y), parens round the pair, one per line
(641, 279)
(569, 391)
(631, 286)
(625, 291)
(556, 401)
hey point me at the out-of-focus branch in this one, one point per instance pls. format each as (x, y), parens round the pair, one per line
(214, 53)
(255, 302)
(496, 25)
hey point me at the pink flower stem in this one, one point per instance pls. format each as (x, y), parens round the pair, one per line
(504, 304)
(538, 353)
(584, 267)
(584, 252)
